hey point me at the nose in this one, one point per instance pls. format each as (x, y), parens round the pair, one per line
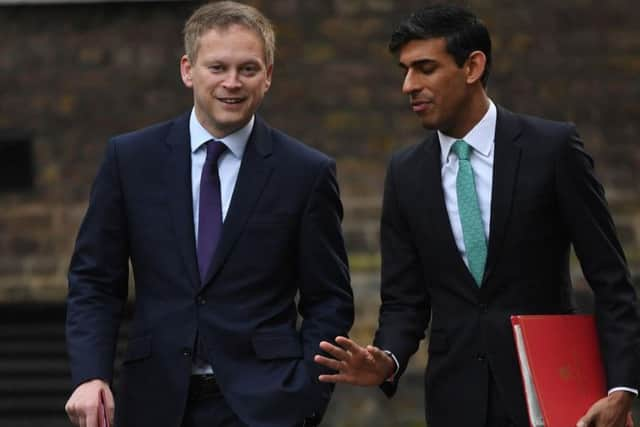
(232, 80)
(409, 85)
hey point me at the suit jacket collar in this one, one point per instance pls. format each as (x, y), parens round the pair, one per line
(505, 174)
(438, 217)
(254, 174)
(252, 177)
(506, 163)
(178, 184)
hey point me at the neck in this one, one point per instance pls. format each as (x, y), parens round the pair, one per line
(477, 107)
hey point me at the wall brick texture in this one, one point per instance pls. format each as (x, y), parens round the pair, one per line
(73, 75)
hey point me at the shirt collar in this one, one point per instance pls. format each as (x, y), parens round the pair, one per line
(481, 137)
(236, 142)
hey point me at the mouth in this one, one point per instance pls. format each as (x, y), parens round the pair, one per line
(231, 100)
(420, 105)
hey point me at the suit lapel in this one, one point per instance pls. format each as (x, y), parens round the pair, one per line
(178, 183)
(252, 177)
(439, 217)
(505, 168)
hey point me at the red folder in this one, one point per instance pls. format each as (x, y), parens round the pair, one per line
(561, 367)
(102, 411)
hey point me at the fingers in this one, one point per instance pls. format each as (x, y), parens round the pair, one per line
(593, 415)
(327, 362)
(75, 420)
(333, 350)
(77, 414)
(336, 378)
(350, 345)
(83, 417)
(110, 404)
(93, 420)
(82, 406)
(586, 419)
(583, 422)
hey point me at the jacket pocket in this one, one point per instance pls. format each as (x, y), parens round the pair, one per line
(269, 345)
(138, 349)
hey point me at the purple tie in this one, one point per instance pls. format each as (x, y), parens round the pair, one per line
(210, 210)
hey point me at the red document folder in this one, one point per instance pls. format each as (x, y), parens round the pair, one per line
(102, 412)
(561, 367)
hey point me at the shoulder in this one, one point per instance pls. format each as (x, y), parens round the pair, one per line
(413, 155)
(539, 127)
(290, 149)
(154, 133)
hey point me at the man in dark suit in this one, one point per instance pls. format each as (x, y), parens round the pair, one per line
(477, 224)
(232, 228)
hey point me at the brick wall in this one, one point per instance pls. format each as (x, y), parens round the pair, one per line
(72, 75)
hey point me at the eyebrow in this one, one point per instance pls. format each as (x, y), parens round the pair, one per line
(248, 61)
(418, 63)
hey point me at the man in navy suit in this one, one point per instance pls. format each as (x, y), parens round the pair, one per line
(232, 229)
(477, 224)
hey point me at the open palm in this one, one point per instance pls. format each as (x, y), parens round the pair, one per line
(354, 364)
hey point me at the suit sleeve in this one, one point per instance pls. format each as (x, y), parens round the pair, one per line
(326, 298)
(593, 234)
(406, 305)
(98, 276)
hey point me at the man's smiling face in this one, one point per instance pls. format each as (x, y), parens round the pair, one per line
(229, 77)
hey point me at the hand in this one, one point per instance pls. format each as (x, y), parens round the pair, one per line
(355, 365)
(82, 406)
(611, 411)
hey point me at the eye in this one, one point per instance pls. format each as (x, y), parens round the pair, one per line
(216, 68)
(427, 68)
(249, 70)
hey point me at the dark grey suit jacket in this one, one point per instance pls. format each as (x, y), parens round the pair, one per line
(545, 199)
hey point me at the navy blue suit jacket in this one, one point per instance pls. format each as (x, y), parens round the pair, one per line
(281, 238)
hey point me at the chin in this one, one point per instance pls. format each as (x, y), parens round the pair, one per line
(429, 125)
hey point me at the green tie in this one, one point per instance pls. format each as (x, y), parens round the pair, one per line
(475, 241)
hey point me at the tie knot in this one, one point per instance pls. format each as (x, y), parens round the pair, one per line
(462, 149)
(214, 150)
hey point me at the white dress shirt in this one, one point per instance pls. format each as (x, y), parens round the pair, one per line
(481, 139)
(228, 169)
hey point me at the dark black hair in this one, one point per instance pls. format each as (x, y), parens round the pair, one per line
(463, 31)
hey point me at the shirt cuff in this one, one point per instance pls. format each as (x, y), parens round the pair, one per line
(395, 371)
(630, 390)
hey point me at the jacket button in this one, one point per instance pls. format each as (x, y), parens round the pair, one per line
(186, 352)
(201, 300)
(480, 357)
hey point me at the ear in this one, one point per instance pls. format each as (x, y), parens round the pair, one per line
(185, 71)
(267, 83)
(475, 66)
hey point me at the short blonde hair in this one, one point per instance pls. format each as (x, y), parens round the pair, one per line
(222, 15)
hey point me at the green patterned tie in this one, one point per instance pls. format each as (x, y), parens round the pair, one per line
(475, 241)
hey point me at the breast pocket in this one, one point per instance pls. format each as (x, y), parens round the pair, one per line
(271, 220)
(268, 240)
